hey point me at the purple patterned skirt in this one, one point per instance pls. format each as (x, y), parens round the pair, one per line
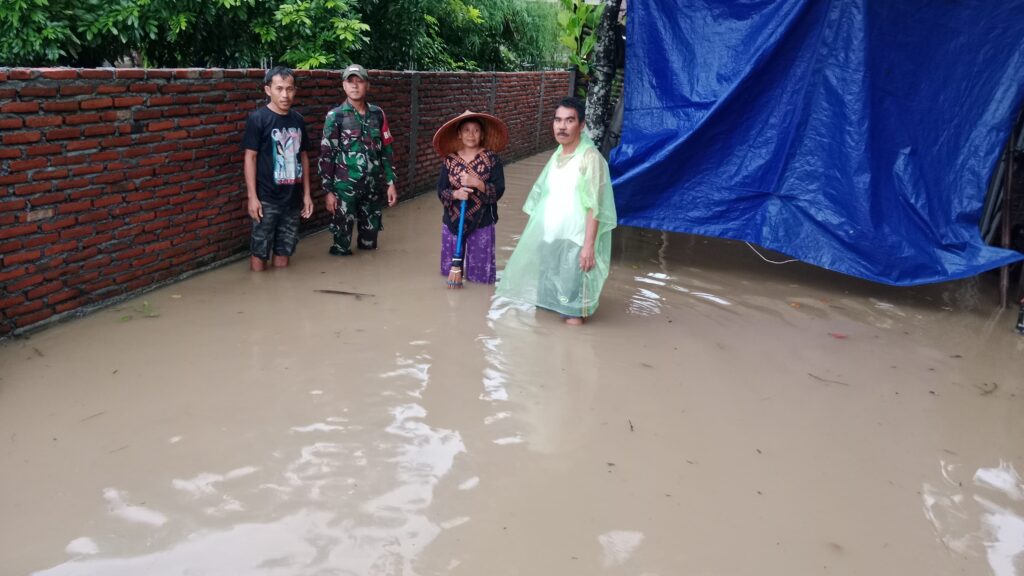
(478, 261)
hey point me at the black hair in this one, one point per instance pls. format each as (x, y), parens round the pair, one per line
(476, 121)
(576, 104)
(282, 71)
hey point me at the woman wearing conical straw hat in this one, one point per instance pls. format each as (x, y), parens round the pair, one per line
(471, 182)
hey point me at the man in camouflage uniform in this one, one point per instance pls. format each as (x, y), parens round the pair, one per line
(355, 165)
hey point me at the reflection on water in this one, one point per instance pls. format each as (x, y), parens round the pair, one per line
(400, 524)
(205, 484)
(509, 440)
(131, 512)
(646, 300)
(327, 446)
(887, 307)
(538, 376)
(650, 279)
(333, 515)
(318, 427)
(712, 298)
(306, 542)
(983, 517)
(619, 545)
(82, 546)
(494, 376)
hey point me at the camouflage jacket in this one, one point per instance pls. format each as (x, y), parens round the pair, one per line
(355, 150)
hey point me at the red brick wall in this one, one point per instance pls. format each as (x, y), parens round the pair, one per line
(113, 180)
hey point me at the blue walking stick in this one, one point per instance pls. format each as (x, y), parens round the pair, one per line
(455, 274)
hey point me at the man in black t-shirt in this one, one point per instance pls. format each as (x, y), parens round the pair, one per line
(276, 172)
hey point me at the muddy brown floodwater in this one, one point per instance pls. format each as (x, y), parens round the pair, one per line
(719, 416)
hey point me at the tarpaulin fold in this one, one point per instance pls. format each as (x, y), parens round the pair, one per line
(856, 135)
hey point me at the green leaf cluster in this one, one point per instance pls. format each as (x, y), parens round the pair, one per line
(174, 33)
(398, 34)
(461, 34)
(578, 22)
(317, 33)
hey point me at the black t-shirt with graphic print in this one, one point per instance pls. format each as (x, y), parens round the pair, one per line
(279, 140)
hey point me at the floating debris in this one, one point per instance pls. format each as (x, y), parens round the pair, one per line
(357, 295)
(987, 388)
(826, 380)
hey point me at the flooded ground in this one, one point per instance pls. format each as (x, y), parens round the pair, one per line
(719, 416)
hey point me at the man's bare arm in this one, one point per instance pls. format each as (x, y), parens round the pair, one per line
(307, 197)
(255, 208)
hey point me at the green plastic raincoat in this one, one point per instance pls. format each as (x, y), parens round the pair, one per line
(544, 269)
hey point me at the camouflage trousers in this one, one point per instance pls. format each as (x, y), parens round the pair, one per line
(359, 207)
(277, 232)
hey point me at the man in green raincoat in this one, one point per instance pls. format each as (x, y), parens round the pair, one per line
(562, 258)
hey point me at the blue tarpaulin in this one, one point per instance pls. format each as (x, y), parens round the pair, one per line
(856, 135)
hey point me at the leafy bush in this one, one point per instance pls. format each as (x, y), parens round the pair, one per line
(418, 34)
(578, 21)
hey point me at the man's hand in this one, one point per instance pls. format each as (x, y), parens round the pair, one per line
(392, 195)
(587, 260)
(255, 209)
(331, 201)
(307, 206)
(462, 193)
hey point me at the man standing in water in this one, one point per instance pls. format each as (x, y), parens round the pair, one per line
(355, 165)
(562, 258)
(276, 172)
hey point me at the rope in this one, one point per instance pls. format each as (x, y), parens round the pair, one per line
(767, 260)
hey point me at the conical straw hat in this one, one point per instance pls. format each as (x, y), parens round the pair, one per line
(446, 139)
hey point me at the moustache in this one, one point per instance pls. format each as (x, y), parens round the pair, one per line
(562, 134)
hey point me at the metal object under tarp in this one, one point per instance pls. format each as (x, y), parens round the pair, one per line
(997, 217)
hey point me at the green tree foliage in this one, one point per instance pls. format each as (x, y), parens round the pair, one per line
(195, 33)
(315, 33)
(460, 34)
(418, 34)
(93, 32)
(301, 33)
(519, 35)
(31, 33)
(578, 21)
